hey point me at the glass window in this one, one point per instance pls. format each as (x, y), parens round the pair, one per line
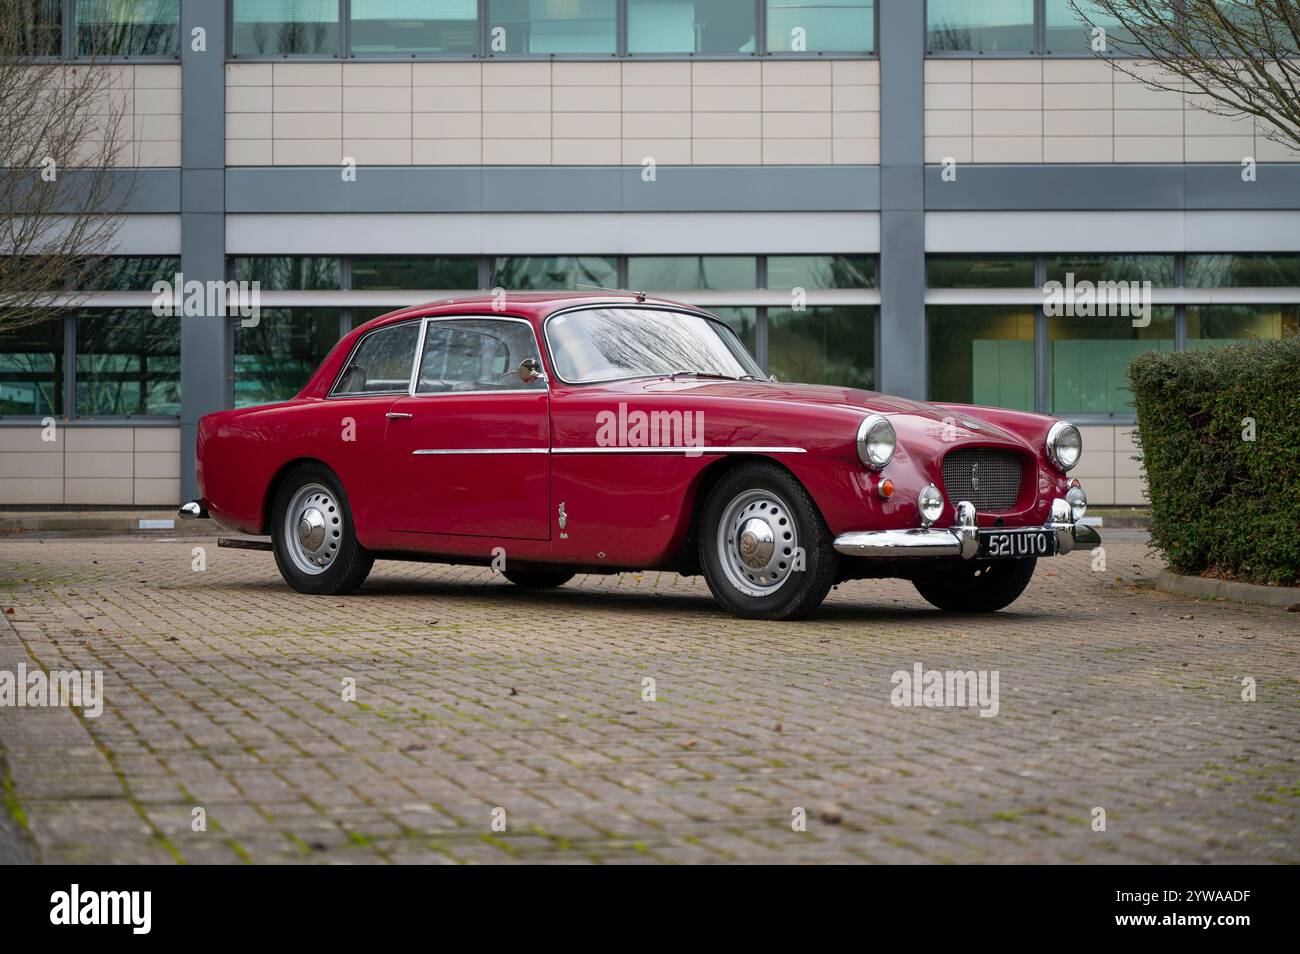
(668, 272)
(612, 344)
(979, 271)
(128, 272)
(277, 356)
(379, 273)
(275, 27)
(691, 26)
(744, 322)
(1088, 360)
(381, 362)
(981, 354)
(1067, 32)
(821, 271)
(823, 345)
(31, 369)
(128, 27)
(413, 26)
(1210, 326)
(288, 272)
(40, 30)
(558, 272)
(1242, 271)
(980, 26)
(842, 26)
(1156, 269)
(551, 26)
(128, 362)
(476, 354)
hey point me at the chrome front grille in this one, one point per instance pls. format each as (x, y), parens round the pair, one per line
(987, 477)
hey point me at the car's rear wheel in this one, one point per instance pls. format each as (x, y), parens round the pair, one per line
(537, 578)
(978, 587)
(764, 548)
(313, 536)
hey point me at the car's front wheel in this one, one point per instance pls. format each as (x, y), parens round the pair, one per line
(764, 548)
(977, 587)
(313, 536)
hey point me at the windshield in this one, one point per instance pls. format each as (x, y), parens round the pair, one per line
(608, 344)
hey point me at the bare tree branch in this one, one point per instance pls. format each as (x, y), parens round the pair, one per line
(67, 157)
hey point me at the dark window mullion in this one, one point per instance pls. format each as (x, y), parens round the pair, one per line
(1040, 339)
(69, 364)
(1180, 312)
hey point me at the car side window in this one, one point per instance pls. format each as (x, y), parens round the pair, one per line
(382, 362)
(476, 354)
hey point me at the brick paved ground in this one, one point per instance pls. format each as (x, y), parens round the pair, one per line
(224, 691)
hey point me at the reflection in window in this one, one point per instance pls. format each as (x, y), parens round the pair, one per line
(980, 26)
(277, 356)
(821, 271)
(1088, 360)
(1067, 32)
(1252, 270)
(31, 369)
(39, 32)
(382, 361)
(823, 345)
(558, 272)
(1156, 269)
(384, 272)
(690, 26)
(128, 27)
(669, 272)
(274, 27)
(478, 354)
(979, 271)
(413, 26)
(551, 26)
(813, 26)
(128, 362)
(981, 354)
(128, 272)
(1211, 326)
(288, 272)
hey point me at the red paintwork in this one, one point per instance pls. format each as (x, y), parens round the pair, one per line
(623, 511)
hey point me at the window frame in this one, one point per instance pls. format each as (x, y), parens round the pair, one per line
(334, 391)
(1039, 51)
(70, 52)
(419, 356)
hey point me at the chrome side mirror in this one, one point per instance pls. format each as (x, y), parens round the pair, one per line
(530, 370)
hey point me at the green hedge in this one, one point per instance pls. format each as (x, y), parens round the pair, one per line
(1219, 502)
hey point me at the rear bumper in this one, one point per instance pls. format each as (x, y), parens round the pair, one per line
(961, 540)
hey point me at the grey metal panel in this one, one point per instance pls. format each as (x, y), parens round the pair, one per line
(143, 191)
(1137, 186)
(902, 192)
(292, 189)
(206, 360)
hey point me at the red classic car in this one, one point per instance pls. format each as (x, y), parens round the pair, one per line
(553, 434)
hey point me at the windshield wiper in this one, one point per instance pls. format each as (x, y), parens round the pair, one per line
(703, 374)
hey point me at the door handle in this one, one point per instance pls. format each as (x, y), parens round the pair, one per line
(396, 416)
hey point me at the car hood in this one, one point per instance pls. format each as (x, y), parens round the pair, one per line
(921, 413)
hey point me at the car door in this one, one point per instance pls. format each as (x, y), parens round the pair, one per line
(468, 450)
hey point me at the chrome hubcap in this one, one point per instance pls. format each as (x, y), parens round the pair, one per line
(313, 528)
(757, 542)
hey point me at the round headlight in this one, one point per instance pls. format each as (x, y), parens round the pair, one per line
(876, 441)
(1064, 445)
(930, 502)
(1078, 502)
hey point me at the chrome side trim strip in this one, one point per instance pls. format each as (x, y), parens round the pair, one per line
(690, 451)
(482, 450)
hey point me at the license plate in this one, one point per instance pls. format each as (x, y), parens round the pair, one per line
(1015, 544)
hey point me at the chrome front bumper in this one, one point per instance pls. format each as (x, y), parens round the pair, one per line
(960, 540)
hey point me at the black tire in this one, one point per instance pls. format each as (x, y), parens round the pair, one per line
(537, 578)
(978, 587)
(778, 590)
(347, 562)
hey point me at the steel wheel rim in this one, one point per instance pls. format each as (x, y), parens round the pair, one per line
(757, 542)
(313, 528)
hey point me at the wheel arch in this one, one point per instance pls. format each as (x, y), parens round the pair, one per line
(273, 485)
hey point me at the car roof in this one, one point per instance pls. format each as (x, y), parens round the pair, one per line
(534, 306)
